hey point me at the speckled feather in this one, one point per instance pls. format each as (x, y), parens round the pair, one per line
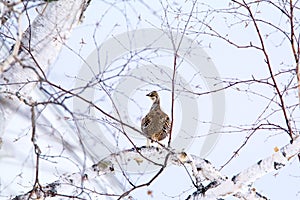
(156, 124)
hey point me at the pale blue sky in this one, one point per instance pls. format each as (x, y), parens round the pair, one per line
(240, 108)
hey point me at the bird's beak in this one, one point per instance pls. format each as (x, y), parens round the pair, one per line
(148, 95)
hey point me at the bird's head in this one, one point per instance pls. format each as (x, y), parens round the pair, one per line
(153, 95)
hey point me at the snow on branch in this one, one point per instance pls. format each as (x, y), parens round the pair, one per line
(219, 186)
(240, 184)
(72, 186)
(37, 49)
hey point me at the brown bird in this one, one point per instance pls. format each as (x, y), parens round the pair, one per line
(156, 124)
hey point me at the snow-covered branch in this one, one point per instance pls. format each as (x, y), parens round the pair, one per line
(76, 185)
(219, 185)
(240, 184)
(39, 47)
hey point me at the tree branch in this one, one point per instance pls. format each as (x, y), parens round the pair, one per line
(219, 185)
(39, 47)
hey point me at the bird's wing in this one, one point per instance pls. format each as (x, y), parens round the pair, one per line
(145, 122)
(166, 124)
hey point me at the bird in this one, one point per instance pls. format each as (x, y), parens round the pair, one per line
(156, 125)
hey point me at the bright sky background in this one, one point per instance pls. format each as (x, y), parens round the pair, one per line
(240, 108)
